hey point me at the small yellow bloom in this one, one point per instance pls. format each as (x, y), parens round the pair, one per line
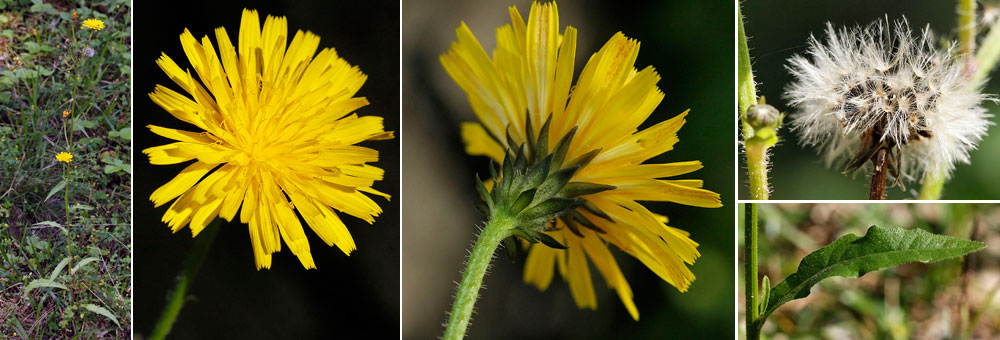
(93, 24)
(65, 113)
(64, 157)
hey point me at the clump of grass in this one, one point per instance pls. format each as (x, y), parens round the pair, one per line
(64, 227)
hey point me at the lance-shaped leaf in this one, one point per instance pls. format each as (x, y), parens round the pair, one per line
(852, 256)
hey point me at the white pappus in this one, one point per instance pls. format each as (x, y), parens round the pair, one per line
(881, 87)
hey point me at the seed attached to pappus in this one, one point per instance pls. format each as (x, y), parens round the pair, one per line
(883, 89)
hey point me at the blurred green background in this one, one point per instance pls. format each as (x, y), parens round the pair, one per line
(691, 45)
(346, 295)
(779, 29)
(911, 301)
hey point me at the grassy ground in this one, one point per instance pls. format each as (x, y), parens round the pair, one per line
(64, 227)
(950, 299)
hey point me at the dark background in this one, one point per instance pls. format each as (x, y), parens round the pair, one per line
(347, 297)
(779, 29)
(690, 43)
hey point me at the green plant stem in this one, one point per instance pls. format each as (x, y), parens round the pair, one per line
(967, 28)
(177, 298)
(750, 271)
(497, 228)
(988, 54)
(756, 141)
(933, 183)
(757, 170)
(747, 88)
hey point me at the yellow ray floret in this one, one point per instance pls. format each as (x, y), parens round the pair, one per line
(278, 138)
(94, 24)
(64, 157)
(529, 77)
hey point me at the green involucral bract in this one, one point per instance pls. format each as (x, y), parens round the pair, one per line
(534, 187)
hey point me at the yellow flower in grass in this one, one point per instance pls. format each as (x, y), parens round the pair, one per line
(529, 77)
(93, 24)
(278, 137)
(64, 157)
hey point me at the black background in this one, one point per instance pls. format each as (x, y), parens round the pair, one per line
(353, 296)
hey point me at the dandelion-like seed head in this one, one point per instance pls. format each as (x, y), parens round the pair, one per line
(277, 142)
(64, 157)
(572, 160)
(94, 24)
(88, 52)
(875, 87)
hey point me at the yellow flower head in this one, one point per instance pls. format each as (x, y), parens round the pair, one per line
(64, 157)
(278, 137)
(529, 77)
(93, 24)
(65, 113)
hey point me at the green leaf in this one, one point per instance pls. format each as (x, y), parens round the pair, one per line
(83, 207)
(81, 125)
(42, 283)
(102, 311)
(125, 133)
(59, 267)
(51, 224)
(852, 256)
(55, 189)
(82, 263)
(20, 329)
(765, 293)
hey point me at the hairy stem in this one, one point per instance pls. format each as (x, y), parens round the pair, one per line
(497, 228)
(756, 141)
(177, 298)
(988, 54)
(757, 170)
(750, 271)
(967, 28)
(747, 87)
(933, 183)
